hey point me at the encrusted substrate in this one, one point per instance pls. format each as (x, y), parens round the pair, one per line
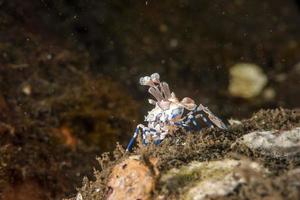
(177, 154)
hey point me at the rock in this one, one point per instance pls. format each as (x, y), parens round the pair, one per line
(214, 188)
(132, 179)
(246, 80)
(202, 180)
(274, 143)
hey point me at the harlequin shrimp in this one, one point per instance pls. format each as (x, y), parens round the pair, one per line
(169, 114)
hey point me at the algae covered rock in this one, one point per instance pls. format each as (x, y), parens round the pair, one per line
(131, 179)
(246, 80)
(202, 180)
(274, 143)
(210, 164)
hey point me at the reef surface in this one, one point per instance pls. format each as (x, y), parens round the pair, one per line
(210, 164)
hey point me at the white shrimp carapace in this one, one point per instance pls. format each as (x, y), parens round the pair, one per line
(169, 114)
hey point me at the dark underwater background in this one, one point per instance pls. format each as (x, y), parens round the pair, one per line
(69, 72)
